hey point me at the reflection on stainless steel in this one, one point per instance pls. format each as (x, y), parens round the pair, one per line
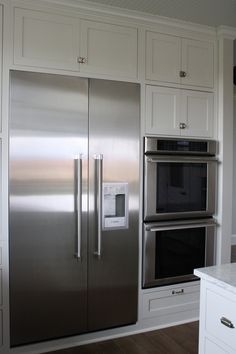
(53, 210)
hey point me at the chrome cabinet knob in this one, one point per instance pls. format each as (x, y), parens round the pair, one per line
(182, 125)
(182, 73)
(82, 60)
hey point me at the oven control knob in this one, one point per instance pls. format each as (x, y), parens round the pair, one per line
(182, 125)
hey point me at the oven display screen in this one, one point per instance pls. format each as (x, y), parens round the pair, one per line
(181, 187)
(182, 145)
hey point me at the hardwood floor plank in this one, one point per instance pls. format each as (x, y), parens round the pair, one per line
(182, 339)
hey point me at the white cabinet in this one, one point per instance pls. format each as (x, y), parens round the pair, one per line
(178, 112)
(172, 59)
(217, 332)
(62, 42)
(172, 300)
(45, 40)
(108, 49)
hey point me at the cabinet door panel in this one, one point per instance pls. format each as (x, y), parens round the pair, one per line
(45, 40)
(197, 113)
(211, 348)
(109, 49)
(163, 53)
(197, 62)
(162, 110)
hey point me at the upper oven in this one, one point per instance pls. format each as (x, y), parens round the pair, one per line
(179, 178)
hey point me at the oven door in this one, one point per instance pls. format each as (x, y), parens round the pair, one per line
(171, 251)
(179, 187)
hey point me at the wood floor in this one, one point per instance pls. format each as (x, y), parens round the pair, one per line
(181, 339)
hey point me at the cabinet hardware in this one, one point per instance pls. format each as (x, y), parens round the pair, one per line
(177, 292)
(182, 125)
(82, 60)
(182, 73)
(226, 322)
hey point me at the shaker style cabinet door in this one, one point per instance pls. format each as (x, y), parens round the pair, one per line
(162, 110)
(177, 60)
(46, 40)
(172, 111)
(197, 63)
(108, 49)
(163, 53)
(197, 113)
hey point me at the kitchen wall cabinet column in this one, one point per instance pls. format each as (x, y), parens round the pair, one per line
(225, 134)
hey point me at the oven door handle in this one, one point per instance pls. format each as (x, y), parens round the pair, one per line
(178, 227)
(182, 159)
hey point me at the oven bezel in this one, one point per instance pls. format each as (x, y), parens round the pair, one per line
(149, 204)
(148, 277)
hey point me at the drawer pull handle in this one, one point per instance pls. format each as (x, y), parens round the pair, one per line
(177, 292)
(226, 322)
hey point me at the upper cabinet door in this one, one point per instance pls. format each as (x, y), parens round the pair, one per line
(177, 60)
(162, 110)
(163, 53)
(197, 112)
(197, 63)
(46, 40)
(108, 49)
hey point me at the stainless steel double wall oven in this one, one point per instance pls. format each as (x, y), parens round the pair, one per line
(179, 202)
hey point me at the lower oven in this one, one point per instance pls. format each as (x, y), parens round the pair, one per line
(172, 250)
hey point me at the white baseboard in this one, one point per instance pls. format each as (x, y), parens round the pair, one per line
(233, 240)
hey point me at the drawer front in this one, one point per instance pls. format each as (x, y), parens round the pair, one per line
(171, 301)
(217, 308)
(212, 348)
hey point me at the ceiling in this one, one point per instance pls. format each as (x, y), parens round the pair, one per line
(207, 12)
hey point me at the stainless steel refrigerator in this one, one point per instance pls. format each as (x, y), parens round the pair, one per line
(73, 205)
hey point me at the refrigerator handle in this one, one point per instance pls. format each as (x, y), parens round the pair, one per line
(99, 177)
(78, 178)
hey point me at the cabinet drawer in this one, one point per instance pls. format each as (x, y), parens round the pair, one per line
(212, 348)
(218, 307)
(174, 300)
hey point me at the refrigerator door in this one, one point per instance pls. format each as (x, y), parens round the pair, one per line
(48, 257)
(113, 203)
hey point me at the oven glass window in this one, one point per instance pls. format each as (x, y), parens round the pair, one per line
(181, 187)
(178, 252)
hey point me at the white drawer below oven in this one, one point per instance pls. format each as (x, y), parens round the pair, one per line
(173, 300)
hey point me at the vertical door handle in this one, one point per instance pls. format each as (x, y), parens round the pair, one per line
(98, 188)
(78, 193)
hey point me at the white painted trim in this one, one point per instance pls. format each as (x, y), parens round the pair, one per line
(126, 13)
(233, 239)
(226, 32)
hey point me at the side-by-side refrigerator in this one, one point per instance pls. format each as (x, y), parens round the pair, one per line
(73, 205)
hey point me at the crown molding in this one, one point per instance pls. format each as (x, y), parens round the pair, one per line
(226, 32)
(101, 9)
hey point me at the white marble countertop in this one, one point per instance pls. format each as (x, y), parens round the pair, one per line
(222, 275)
